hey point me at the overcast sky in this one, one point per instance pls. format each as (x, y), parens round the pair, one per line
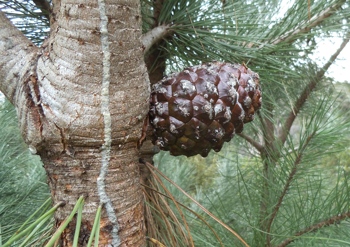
(340, 70)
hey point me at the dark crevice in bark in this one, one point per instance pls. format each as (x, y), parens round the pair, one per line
(63, 141)
(35, 114)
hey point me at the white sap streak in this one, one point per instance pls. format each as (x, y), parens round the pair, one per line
(106, 147)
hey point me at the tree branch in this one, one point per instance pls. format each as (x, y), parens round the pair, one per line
(18, 58)
(331, 221)
(286, 187)
(254, 143)
(155, 35)
(307, 91)
(308, 24)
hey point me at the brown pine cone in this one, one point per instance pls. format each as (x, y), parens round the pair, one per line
(202, 107)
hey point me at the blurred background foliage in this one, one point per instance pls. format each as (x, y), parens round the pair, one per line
(23, 186)
(276, 184)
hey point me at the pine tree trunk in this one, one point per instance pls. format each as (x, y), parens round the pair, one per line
(81, 101)
(70, 177)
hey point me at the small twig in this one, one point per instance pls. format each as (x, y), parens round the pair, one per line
(155, 35)
(254, 143)
(330, 221)
(307, 91)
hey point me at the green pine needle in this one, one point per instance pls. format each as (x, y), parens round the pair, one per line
(95, 228)
(78, 225)
(32, 226)
(65, 223)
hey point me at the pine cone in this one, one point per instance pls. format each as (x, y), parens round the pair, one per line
(202, 107)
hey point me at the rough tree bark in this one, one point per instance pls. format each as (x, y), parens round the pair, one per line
(81, 100)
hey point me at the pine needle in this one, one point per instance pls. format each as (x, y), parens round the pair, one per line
(199, 205)
(65, 223)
